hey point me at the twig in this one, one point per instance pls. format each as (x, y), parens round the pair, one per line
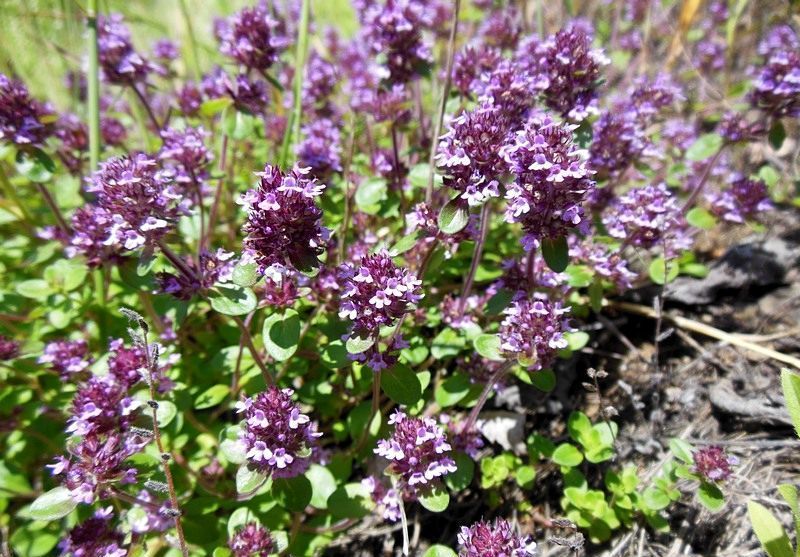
(709, 331)
(248, 340)
(473, 415)
(476, 256)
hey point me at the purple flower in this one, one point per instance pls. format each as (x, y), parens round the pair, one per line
(249, 95)
(387, 499)
(511, 88)
(151, 519)
(647, 217)
(551, 180)
(319, 83)
(776, 89)
(74, 137)
(320, 148)
(278, 438)
(9, 349)
(112, 131)
(66, 357)
(780, 37)
(189, 98)
(418, 453)
(735, 128)
(743, 200)
(129, 365)
(94, 537)
(186, 147)
(252, 540)
(213, 268)
(572, 69)
(501, 29)
(376, 293)
(90, 226)
(648, 97)
(604, 261)
(470, 154)
(120, 62)
(533, 331)
(284, 224)
(143, 206)
(485, 539)
(472, 62)
(23, 119)
(712, 464)
(252, 38)
(166, 50)
(392, 30)
(617, 142)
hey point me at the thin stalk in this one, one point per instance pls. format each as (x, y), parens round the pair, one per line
(347, 197)
(293, 129)
(93, 88)
(473, 415)
(248, 341)
(194, 57)
(165, 456)
(147, 107)
(51, 204)
(703, 179)
(448, 78)
(476, 257)
(396, 167)
(376, 402)
(11, 193)
(212, 216)
(179, 263)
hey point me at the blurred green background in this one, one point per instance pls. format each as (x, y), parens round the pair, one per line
(42, 39)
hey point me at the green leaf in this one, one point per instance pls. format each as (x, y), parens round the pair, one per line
(248, 481)
(655, 498)
(233, 300)
(323, 484)
(596, 295)
(580, 276)
(245, 274)
(790, 383)
(350, 501)
(525, 476)
(662, 272)
(52, 505)
(281, 334)
(32, 541)
(499, 301)
(357, 345)
(294, 494)
(370, 194)
(710, 496)
(488, 346)
(576, 340)
(66, 274)
(567, 455)
(465, 472)
(579, 427)
(556, 253)
(240, 517)
(789, 494)
(36, 289)
(769, 531)
(35, 165)
(436, 500)
(452, 390)
(701, 218)
(454, 216)
(12, 482)
(405, 243)
(211, 396)
(682, 450)
(447, 343)
(166, 412)
(401, 384)
(212, 107)
(439, 551)
(777, 133)
(334, 355)
(544, 380)
(238, 125)
(704, 146)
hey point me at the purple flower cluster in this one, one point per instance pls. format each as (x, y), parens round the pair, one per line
(319, 84)
(734, 128)
(551, 180)
(501, 29)
(120, 62)
(418, 452)
(392, 30)
(604, 261)
(470, 64)
(712, 464)
(617, 142)
(510, 88)
(743, 200)
(212, 268)
(74, 137)
(94, 537)
(469, 154)
(320, 149)
(23, 119)
(66, 357)
(9, 349)
(572, 70)
(485, 539)
(187, 148)
(376, 293)
(533, 331)
(278, 438)
(252, 540)
(776, 89)
(284, 224)
(647, 217)
(386, 498)
(252, 38)
(135, 205)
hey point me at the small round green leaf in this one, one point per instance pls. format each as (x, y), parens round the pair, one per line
(56, 503)
(439, 551)
(281, 334)
(436, 500)
(294, 494)
(454, 216)
(247, 480)
(211, 396)
(245, 274)
(710, 496)
(465, 471)
(567, 455)
(401, 384)
(357, 345)
(233, 300)
(701, 218)
(704, 146)
(323, 484)
(556, 253)
(662, 272)
(488, 346)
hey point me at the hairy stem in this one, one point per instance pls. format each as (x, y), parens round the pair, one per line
(476, 257)
(51, 204)
(473, 415)
(703, 179)
(147, 107)
(248, 340)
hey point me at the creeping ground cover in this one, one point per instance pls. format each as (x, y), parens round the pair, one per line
(440, 278)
